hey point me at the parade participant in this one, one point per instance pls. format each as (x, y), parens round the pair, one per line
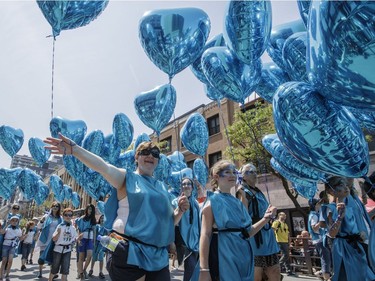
(369, 188)
(47, 226)
(348, 255)
(86, 227)
(36, 236)
(317, 232)
(28, 240)
(224, 249)
(64, 237)
(264, 245)
(99, 252)
(189, 227)
(12, 235)
(139, 212)
(281, 230)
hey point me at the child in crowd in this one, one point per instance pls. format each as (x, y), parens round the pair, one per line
(64, 236)
(28, 240)
(12, 235)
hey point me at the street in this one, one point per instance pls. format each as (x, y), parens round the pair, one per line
(31, 272)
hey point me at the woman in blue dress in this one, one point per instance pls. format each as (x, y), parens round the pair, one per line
(189, 227)
(369, 188)
(225, 250)
(99, 252)
(85, 227)
(263, 243)
(138, 212)
(47, 226)
(348, 255)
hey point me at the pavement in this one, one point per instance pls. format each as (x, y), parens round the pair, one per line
(32, 271)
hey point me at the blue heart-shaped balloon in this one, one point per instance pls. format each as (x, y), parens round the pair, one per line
(68, 191)
(75, 130)
(278, 36)
(194, 134)
(92, 181)
(296, 180)
(101, 206)
(212, 93)
(94, 142)
(319, 133)
(38, 152)
(123, 130)
(127, 161)
(57, 186)
(8, 181)
(196, 66)
(177, 161)
(272, 77)
(247, 28)
(63, 15)
(42, 194)
(28, 183)
(366, 119)
(294, 56)
(305, 191)
(111, 150)
(11, 139)
(227, 74)
(141, 138)
(174, 38)
(76, 200)
(176, 177)
(155, 108)
(341, 57)
(200, 171)
(74, 167)
(163, 170)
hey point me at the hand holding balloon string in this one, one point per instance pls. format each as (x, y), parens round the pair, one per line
(62, 145)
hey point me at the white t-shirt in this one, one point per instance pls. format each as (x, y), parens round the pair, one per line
(11, 235)
(122, 215)
(67, 237)
(29, 237)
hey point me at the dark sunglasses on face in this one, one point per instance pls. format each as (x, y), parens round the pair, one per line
(15, 208)
(55, 206)
(249, 172)
(68, 215)
(154, 152)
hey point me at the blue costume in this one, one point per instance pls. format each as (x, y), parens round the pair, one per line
(84, 225)
(98, 248)
(234, 248)
(150, 221)
(371, 248)
(46, 226)
(264, 242)
(348, 255)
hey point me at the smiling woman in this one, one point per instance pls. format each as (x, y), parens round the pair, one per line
(138, 208)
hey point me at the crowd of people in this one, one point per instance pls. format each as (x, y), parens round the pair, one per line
(233, 234)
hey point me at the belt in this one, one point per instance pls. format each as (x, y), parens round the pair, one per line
(124, 237)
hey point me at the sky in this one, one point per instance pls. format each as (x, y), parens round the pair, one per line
(99, 68)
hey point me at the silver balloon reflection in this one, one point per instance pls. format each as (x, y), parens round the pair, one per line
(341, 51)
(247, 28)
(227, 74)
(294, 56)
(278, 36)
(272, 77)
(174, 38)
(319, 133)
(155, 108)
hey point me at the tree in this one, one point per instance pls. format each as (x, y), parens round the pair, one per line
(246, 133)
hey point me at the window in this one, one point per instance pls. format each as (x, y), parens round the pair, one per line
(213, 158)
(213, 125)
(166, 145)
(190, 164)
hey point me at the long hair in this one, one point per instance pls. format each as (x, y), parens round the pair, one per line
(90, 217)
(58, 213)
(216, 169)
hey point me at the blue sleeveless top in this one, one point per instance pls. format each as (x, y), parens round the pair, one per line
(45, 230)
(236, 261)
(360, 213)
(151, 220)
(190, 226)
(267, 242)
(314, 236)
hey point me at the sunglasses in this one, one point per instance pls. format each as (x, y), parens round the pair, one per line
(186, 184)
(154, 152)
(249, 172)
(15, 208)
(55, 206)
(68, 215)
(228, 172)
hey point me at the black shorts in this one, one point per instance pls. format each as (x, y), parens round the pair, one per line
(119, 270)
(266, 261)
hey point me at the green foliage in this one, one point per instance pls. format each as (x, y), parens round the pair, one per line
(246, 135)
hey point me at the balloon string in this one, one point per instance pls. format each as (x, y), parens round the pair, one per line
(53, 73)
(226, 131)
(177, 142)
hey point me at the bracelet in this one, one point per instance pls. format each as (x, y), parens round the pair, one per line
(204, 270)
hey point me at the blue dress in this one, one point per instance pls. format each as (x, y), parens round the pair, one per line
(371, 247)
(98, 248)
(151, 220)
(349, 257)
(236, 261)
(264, 242)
